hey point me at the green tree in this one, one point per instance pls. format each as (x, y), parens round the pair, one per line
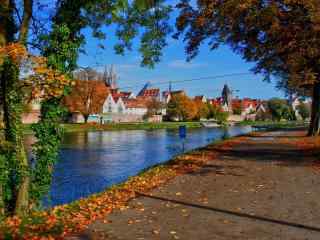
(281, 37)
(279, 109)
(237, 110)
(217, 113)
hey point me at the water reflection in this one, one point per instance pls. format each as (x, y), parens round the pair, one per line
(90, 162)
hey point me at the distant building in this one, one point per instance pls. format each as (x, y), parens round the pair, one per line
(249, 106)
(226, 99)
(167, 95)
(110, 77)
(201, 98)
(125, 107)
(217, 102)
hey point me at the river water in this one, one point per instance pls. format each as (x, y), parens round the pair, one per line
(92, 161)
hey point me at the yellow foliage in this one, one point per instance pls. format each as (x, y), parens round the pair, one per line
(44, 81)
(15, 51)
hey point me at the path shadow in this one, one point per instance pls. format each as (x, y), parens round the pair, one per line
(279, 137)
(207, 169)
(233, 213)
(278, 155)
(271, 129)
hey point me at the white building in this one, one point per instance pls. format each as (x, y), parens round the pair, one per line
(120, 107)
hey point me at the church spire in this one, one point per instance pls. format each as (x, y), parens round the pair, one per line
(227, 97)
(110, 77)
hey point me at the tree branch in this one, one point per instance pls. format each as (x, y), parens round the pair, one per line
(18, 15)
(4, 16)
(27, 14)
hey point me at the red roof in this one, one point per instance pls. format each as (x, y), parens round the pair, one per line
(152, 92)
(215, 101)
(125, 94)
(245, 103)
(236, 103)
(135, 103)
(116, 95)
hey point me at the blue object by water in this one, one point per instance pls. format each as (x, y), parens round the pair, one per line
(183, 131)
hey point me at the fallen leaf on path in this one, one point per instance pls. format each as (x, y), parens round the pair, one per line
(156, 232)
(130, 221)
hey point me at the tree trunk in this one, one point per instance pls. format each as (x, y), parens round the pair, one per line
(12, 106)
(22, 201)
(86, 118)
(315, 111)
(5, 23)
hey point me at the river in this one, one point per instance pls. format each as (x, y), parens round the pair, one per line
(92, 161)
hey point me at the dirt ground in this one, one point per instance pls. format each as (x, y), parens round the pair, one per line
(263, 188)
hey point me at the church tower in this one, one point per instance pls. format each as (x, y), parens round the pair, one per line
(227, 98)
(110, 77)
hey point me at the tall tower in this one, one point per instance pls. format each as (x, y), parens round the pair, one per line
(227, 98)
(110, 77)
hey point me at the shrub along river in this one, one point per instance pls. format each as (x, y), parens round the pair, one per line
(92, 161)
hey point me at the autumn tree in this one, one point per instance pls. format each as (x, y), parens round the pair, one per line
(281, 37)
(58, 37)
(181, 108)
(202, 109)
(154, 107)
(86, 97)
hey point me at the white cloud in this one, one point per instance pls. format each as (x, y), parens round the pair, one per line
(186, 65)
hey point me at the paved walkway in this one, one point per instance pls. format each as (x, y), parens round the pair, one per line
(263, 188)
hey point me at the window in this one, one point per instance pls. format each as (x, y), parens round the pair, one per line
(109, 107)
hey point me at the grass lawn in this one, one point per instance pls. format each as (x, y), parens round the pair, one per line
(77, 127)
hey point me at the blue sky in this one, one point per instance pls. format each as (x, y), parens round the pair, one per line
(173, 67)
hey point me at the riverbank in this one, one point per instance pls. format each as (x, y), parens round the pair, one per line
(91, 127)
(198, 173)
